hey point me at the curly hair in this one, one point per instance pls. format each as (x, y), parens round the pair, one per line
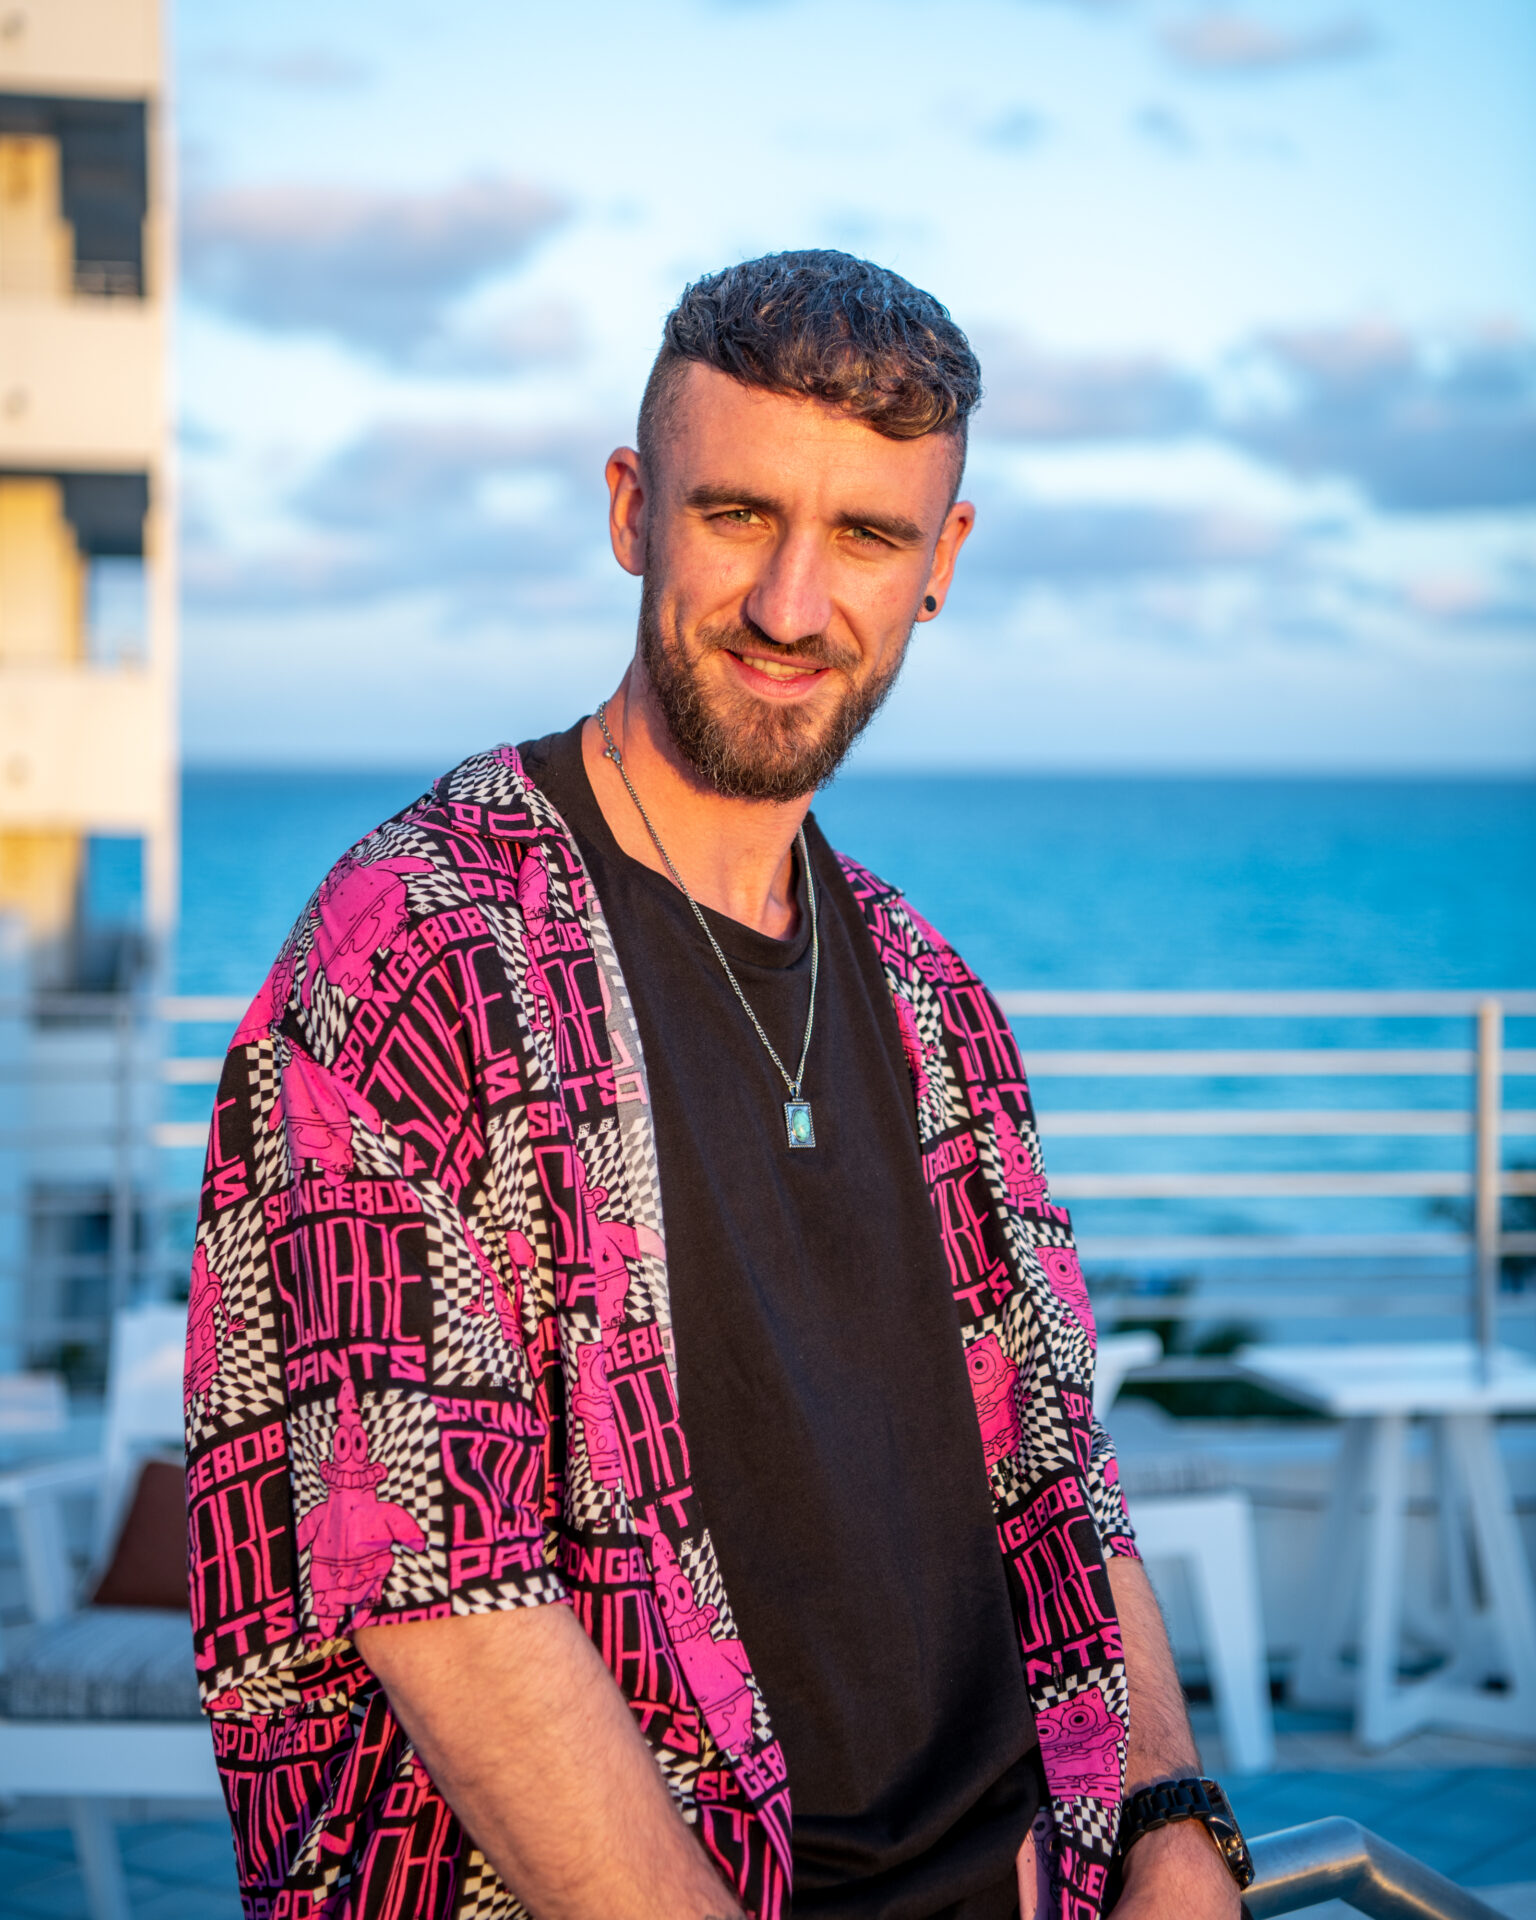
(828, 326)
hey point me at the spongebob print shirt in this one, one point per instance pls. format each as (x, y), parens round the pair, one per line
(431, 1371)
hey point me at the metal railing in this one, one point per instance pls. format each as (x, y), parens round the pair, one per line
(1249, 1093)
(1338, 1859)
(1217, 1109)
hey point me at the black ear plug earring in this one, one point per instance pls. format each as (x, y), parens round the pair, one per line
(930, 603)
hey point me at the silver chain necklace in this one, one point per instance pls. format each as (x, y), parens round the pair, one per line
(797, 1112)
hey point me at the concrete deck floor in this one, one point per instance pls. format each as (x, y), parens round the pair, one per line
(1465, 1807)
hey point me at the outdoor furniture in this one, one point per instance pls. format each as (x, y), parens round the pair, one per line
(1482, 1626)
(1210, 1530)
(32, 1403)
(98, 1703)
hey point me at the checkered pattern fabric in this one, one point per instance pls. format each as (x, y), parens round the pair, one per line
(430, 1362)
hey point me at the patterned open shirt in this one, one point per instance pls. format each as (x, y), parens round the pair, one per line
(430, 1366)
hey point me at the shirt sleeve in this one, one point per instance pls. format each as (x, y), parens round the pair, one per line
(367, 1439)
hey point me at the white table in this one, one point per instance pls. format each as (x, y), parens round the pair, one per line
(1481, 1622)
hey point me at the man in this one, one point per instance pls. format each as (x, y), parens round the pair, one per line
(644, 1465)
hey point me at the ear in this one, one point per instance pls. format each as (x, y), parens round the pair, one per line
(626, 509)
(953, 535)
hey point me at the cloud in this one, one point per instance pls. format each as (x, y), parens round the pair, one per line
(1226, 43)
(1418, 430)
(1164, 128)
(1038, 396)
(319, 68)
(1079, 542)
(505, 341)
(1015, 130)
(1501, 600)
(479, 514)
(375, 270)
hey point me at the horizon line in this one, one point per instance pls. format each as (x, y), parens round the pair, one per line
(1508, 775)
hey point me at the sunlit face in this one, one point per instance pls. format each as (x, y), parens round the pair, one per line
(787, 551)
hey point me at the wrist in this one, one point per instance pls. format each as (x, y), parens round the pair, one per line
(1185, 1841)
(1150, 1816)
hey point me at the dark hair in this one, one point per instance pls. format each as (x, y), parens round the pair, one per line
(831, 327)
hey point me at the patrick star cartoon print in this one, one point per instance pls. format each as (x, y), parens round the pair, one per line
(206, 1308)
(716, 1670)
(318, 1110)
(352, 1534)
(362, 908)
(611, 1244)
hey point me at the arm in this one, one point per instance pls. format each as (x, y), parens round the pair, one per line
(1176, 1873)
(525, 1734)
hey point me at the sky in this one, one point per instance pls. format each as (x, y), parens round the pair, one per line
(1253, 286)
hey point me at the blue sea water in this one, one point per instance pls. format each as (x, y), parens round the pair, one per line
(1041, 882)
(1079, 883)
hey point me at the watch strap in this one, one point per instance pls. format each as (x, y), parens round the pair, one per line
(1168, 1801)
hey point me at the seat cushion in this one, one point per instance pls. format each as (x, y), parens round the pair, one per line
(103, 1663)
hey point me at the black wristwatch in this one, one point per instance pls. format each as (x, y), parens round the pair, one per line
(1166, 1801)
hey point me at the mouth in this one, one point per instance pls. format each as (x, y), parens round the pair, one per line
(777, 678)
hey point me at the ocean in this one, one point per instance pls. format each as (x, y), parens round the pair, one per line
(1041, 882)
(1085, 883)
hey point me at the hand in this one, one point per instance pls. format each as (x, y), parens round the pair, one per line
(1177, 1873)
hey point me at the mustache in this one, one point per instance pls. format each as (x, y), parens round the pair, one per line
(811, 649)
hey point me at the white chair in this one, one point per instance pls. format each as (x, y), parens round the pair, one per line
(100, 1703)
(1211, 1532)
(32, 1403)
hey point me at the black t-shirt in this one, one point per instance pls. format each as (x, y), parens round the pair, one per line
(834, 1442)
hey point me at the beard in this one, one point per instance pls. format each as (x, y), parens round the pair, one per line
(749, 749)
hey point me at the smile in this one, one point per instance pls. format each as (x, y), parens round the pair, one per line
(788, 676)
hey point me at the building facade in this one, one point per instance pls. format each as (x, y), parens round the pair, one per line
(87, 656)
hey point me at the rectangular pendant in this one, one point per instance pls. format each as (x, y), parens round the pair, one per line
(797, 1123)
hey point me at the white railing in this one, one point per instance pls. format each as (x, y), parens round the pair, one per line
(1100, 1106)
(1477, 1069)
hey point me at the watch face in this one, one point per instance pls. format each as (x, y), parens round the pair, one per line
(1221, 1824)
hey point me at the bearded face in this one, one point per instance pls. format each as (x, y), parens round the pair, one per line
(744, 747)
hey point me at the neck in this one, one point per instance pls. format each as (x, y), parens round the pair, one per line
(735, 856)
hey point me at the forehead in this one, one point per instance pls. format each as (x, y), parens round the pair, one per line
(722, 433)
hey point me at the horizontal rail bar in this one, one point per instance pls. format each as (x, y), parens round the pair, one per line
(1196, 1123)
(61, 1139)
(1154, 1122)
(1338, 1859)
(1281, 1003)
(1429, 1245)
(198, 1070)
(208, 1008)
(1286, 1186)
(1131, 1309)
(203, 1008)
(192, 1070)
(1267, 1062)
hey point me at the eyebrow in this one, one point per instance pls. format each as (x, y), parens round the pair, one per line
(892, 526)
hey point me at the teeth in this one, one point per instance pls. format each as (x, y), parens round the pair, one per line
(782, 669)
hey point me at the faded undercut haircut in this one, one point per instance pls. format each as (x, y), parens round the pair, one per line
(827, 326)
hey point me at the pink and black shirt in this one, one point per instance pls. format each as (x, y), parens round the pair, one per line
(431, 1366)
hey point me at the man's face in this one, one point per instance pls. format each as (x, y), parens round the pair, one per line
(786, 549)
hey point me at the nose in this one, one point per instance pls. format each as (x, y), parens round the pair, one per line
(790, 599)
